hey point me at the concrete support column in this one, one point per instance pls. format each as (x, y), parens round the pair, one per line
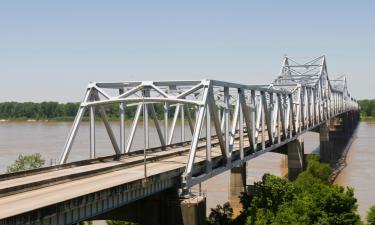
(352, 121)
(296, 158)
(193, 210)
(236, 187)
(325, 144)
(345, 123)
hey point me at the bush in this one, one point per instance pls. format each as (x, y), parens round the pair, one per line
(26, 162)
(221, 215)
(371, 216)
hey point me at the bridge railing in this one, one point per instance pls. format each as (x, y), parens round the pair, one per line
(234, 121)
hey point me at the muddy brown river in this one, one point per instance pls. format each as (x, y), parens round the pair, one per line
(48, 139)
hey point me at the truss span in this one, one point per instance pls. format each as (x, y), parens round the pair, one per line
(245, 120)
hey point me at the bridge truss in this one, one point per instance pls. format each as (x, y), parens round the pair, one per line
(244, 120)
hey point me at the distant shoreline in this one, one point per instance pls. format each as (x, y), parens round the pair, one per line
(368, 119)
(65, 119)
(71, 119)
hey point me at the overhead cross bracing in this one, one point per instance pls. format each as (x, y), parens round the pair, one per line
(301, 98)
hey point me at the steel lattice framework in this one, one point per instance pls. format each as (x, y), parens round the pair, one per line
(242, 119)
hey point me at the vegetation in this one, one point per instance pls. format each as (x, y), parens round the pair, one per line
(30, 110)
(59, 111)
(67, 111)
(367, 108)
(310, 199)
(221, 215)
(371, 216)
(26, 162)
(33, 161)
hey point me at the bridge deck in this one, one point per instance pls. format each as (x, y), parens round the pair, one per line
(38, 197)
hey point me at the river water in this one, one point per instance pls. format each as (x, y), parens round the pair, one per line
(48, 139)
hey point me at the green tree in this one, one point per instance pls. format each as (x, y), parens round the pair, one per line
(26, 162)
(367, 107)
(310, 199)
(221, 215)
(70, 109)
(371, 216)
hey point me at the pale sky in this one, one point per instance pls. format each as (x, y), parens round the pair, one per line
(50, 50)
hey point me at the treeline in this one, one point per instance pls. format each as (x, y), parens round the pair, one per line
(59, 111)
(43, 110)
(367, 107)
(67, 111)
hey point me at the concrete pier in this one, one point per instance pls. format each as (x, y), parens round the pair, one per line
(296, 158)
(193, 210)
(325, 144)
(334, 135)
(237, 186)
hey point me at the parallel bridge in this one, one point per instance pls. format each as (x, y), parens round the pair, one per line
(229, 124)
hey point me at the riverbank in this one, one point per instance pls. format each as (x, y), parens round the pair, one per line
(367, 119)
(359, 170)
(84, 119)
(59, 119)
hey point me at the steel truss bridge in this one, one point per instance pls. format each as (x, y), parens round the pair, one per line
(228, 124)
(298, 100)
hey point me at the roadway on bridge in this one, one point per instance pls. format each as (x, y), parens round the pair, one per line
(17, 203)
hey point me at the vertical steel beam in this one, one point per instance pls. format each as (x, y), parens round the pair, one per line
(271, 117)
(278, 119)
(92, 132)
(240, 126)
(208, 140)
(281, 102)
(146, 93)
(252, 119)
(182, 117)
(226, 123)
(122, 124)
(263, 127)
(287, 116)
(165, 122)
